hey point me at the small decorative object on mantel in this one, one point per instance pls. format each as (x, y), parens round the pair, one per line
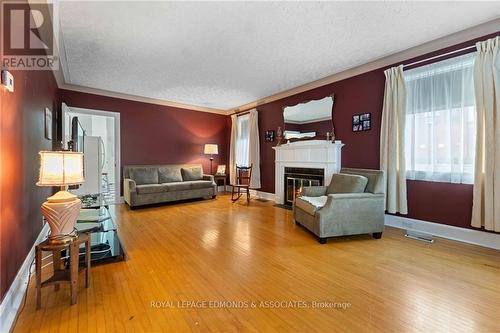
(279, 135)
(270, 136)
(328, 136)
(361, 122)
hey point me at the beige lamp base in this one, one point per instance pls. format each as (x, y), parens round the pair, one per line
(61, 211)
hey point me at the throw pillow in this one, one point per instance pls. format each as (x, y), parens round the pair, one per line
(169, 174)
(143, 176)
(191, 174)
(347, 183)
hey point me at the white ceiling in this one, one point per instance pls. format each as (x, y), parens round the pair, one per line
(225, 54)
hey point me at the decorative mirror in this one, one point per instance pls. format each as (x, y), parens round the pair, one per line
(309, 119)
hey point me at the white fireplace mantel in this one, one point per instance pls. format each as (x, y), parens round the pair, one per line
(319, 154)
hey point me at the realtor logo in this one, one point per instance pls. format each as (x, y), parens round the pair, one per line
(28, 36)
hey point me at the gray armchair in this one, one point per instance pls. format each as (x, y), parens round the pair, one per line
(352, 204)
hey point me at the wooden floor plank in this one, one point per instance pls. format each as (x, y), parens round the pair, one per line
(215, 250)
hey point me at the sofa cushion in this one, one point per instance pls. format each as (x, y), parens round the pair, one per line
(191, 174)
(346, 183)
(169, 174)
(310, 204)
(151, 188)
(177, 186)
(144, 175)
(198, 184)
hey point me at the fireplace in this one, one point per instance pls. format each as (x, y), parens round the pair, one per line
(319, 154)
(298, 178)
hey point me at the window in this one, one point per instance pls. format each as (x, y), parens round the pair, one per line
(242, 140)
(441, 121)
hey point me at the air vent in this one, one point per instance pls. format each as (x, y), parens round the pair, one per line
(421, 236)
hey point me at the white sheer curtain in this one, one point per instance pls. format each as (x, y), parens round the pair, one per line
(440, 121)
(232, 150)
(254, 148)
(242, 139)
(392, 156)
(486, 202)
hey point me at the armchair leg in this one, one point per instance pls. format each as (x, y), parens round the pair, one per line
(377, 235)
(322, 240)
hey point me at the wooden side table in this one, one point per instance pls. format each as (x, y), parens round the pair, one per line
(223, 178)
(61, 274)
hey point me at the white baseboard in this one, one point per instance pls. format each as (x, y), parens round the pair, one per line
(15, 295)
(253, 193)
(481, 238)
(262, 195)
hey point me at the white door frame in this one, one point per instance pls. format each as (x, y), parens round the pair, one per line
(116, 116)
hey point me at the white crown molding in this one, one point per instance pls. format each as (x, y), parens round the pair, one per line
(13, 299)
(135, 98)
(432, 46)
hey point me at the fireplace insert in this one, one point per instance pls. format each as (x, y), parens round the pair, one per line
(298, 178)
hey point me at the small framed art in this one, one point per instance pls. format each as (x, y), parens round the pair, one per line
(361, 122)
(270, 136)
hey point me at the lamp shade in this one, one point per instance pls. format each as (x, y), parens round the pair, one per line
(60, 168)
(211, 149)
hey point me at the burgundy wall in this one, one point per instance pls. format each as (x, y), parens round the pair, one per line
(156, 134)
(430, 201)
(21, 137)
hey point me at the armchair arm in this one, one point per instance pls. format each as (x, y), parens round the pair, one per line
(129, 191)
(351, 213)
(208, 177)
(314, 191)
(129, 185)
(346, 200)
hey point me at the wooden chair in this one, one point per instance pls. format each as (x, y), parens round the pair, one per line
(243, 176)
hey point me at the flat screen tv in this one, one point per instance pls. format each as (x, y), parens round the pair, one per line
(77, 135)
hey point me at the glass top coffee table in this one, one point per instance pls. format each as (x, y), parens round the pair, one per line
(104, 242)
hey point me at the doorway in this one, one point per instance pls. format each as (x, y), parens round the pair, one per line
(101, 148)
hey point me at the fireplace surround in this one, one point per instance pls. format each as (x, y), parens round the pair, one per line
(315, 154)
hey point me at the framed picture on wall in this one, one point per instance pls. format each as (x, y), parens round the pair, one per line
(48, 124)
(361, 122)
(221, 169)
(270, 136)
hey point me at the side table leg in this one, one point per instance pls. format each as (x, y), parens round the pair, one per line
(56, 263)
(87, 263)
(73, 257)
(38, 270)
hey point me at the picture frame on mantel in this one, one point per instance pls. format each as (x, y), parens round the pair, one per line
(48, 123)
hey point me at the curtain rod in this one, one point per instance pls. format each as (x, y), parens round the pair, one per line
(440, 55)
(242, 113)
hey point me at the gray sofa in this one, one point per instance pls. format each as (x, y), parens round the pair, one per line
(151, 184)
(352, 204)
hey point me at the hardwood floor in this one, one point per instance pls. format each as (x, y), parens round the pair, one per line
(215, 250)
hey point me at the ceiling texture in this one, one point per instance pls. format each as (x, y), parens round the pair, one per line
(225, 54)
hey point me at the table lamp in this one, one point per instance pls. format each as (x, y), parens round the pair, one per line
(61, 168)
(211, 149)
